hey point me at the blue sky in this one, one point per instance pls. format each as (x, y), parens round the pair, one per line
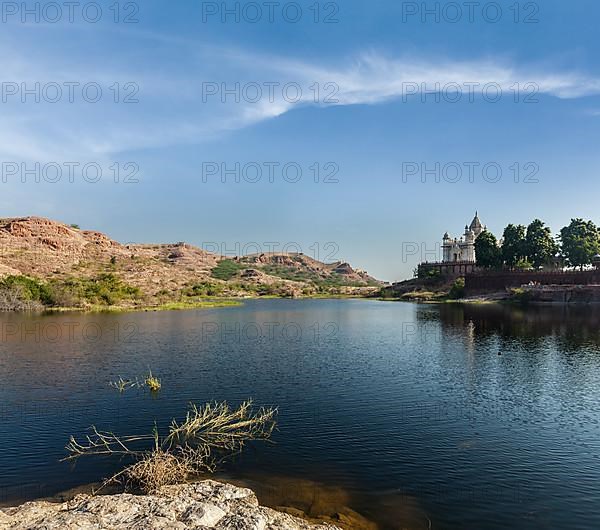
(369, 63)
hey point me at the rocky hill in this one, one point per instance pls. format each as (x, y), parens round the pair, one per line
(83, 263)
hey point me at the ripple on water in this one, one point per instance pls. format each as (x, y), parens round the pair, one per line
(405, 409)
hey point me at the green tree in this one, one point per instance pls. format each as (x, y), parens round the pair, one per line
(539, 243)
(487, 252)
(513, 244)
(580, 242)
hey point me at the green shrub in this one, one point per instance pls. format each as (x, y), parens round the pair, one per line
(520, 295)
(205, 289)
(457, 290)
(226, 269)
(523, 265)
(424, 273)
(30, 289)
(104, 289)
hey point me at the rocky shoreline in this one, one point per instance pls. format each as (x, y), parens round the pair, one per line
(200, 506)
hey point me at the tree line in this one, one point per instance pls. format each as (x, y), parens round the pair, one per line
(526, 247)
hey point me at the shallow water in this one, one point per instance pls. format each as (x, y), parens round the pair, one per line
(473, 417)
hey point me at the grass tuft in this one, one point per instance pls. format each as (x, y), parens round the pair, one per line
(123, 384)
(153, 383)
(206, 437)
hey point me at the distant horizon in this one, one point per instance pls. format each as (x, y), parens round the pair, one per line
(271, 248)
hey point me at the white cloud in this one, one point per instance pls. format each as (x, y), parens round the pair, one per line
(172, 111)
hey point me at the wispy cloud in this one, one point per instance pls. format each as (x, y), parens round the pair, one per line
(172, 109)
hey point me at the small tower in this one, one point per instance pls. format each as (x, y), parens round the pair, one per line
(446, 245)
(476, 225)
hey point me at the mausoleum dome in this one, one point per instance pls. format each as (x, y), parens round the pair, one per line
(476, 225)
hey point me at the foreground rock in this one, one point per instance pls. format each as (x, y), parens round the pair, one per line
(199, 506)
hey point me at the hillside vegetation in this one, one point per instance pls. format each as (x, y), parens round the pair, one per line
(44, 263)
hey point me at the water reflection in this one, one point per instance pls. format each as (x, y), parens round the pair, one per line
(473, 416)
(337, 505)
(573, 327)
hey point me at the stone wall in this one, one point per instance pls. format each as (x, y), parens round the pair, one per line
(564, 294)
(479, 281)
(451, 269)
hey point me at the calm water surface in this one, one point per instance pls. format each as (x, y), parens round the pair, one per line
(472, 417)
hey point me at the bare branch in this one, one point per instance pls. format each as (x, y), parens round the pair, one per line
(103, 443)
(188, 448)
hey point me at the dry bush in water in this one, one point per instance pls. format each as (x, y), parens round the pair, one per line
(159, 468)
(207, 435)
(152, 382)
(123, 384)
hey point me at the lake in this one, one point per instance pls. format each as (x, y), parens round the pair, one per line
(456, 416)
